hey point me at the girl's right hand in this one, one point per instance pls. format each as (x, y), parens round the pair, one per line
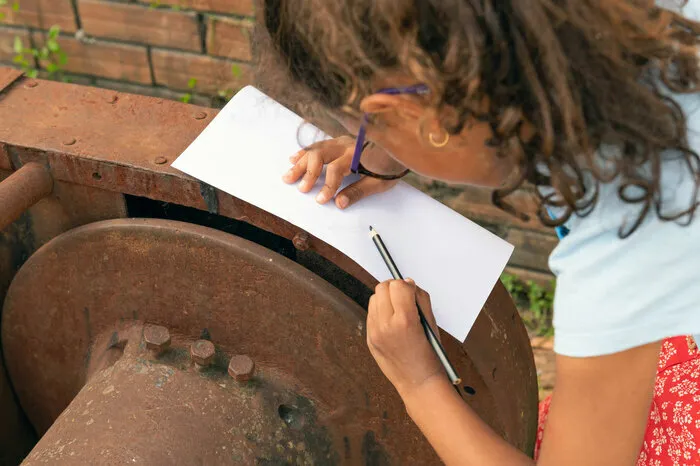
(337, 155)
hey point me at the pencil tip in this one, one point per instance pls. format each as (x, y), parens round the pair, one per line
(371, 228)
(372, 232)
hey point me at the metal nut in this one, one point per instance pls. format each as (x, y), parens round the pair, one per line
(202, 352)
(301, 241)
(200, 115)
(157, 338)
(241, 368)
(160, 160)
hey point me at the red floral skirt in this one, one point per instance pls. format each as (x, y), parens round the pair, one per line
(672, 437)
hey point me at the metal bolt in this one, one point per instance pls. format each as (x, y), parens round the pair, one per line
(157, 338)
(113, 99)
(241, 368)
(160, 160)
(31, 84)
(202, 352)
(200, 115)
(69, 141)
(301, 241)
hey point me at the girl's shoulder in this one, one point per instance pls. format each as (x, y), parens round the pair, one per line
(614, 294)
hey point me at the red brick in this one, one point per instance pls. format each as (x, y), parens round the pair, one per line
(541, 278)
(7, 42)
(232, 7)
(103, 59)
(475, 203)
(41, 14)
(532, 249)
(229, 38)
(175, 69)
(136, 23)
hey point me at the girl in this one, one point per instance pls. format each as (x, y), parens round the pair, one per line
(591, 101)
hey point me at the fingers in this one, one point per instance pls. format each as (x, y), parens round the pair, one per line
(335, 173)
(423, 299)
(383, 307)
(299, 168)
(309, 162)
(361, 189)
(403, 300)
(295, 158)
(314, 167)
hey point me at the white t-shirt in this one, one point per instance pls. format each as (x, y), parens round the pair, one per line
(615, 294)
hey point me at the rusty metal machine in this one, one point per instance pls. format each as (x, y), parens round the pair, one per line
(150, 319)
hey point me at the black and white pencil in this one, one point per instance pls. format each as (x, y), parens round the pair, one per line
(432, 339)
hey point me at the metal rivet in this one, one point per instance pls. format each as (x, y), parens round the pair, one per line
(301, 241)
(202, 353)
(157, 338)
(69, 141)
(31, 84)
(160, 160)
(200, 115)
(241, 368)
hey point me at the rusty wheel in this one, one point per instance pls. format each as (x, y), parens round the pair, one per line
(108, 333)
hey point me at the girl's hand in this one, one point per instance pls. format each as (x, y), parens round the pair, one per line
(396, 339)
(337, 154)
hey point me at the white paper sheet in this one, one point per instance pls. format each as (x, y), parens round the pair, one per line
(245, 151)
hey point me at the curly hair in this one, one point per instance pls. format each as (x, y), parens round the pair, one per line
(584, 74)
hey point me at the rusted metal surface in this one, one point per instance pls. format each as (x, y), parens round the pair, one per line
(16, 435)
(157, 338)
(120, 152)
(250, 301)
(7, 77)
(241, 368)
(139, 129)
(23, 189)
(202, 353)
(141, 410)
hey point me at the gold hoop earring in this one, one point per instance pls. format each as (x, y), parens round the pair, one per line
(439, 144)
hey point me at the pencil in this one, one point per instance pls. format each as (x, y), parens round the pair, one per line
(432, 339)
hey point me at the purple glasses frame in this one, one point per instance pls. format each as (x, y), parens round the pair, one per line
(360, 145)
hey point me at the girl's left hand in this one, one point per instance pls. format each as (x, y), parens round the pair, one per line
(396, 338)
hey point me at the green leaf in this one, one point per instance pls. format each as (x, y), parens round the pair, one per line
(62, 58)
(44, 54)
(192, 83)
(33, 73)
(52, 67)
(18, 46)
(53, 46)
(185, 99)
(15, 5)
(54, 31)
(19, 60)
(236, 70)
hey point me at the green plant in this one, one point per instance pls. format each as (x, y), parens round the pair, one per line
(14, 7)
(534, 301)
(191, 84)
(541, 300)
(50, 55)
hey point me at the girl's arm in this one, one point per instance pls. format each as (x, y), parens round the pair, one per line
(598, 414)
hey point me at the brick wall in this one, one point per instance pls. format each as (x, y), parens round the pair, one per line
(165, 48)
(161, 47)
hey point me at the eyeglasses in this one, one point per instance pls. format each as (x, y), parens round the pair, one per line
(361, 144)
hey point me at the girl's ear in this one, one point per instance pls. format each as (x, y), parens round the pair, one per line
(396, 104)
